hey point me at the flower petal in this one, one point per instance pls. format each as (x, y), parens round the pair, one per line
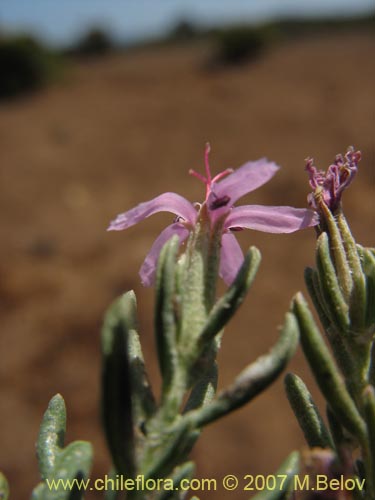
(247, 178)
(166, 202)
(271, 219)
(231, 258)
(148, 268)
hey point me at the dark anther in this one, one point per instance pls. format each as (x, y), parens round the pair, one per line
(219, 202)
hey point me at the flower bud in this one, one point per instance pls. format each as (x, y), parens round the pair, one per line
(342, 278)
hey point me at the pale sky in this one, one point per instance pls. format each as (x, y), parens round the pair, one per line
(58, 21)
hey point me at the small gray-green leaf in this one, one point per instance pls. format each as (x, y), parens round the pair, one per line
(325, 371)
(204, 389)
(226, 307)
(165, 311)
(143, 401)
(331, 289)
(117, 384)
(307, 413)
(312, 283)
(342, 356)
(357, 309)
(51, 436)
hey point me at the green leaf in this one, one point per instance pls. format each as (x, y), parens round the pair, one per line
(116, 384)
(344, 359)
(143, 401)
(357, 309)
(338, 252)
(4, 487)
(56, 462)
(253, 380)
(51, 436)
(335, 304)
(204, 390)
(284, 476)
(324, 369)
(227, 306)
(166, 310)
(312, 283)
(307, 413)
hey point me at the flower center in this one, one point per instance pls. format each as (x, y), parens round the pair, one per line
(208, 180)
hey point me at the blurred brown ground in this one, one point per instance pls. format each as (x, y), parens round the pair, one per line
(120, 131)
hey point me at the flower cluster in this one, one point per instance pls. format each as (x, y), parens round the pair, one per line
(222, 192)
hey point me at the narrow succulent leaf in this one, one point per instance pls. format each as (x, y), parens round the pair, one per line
(4, 487)
(196, 298)
(338, 252)
(324, 369)
(346, 361)
(165, 311)
(117, 385)
(307, 413)
(330, 286)
(312, 283)
(284, 477)
(342, 356)
(184, 471)
(143, 401)
(253, 380)
(203, 392)
(51, 436)
(226, 307)
(358, 293)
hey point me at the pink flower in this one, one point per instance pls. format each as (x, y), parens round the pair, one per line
(329, 186)
(222, 192)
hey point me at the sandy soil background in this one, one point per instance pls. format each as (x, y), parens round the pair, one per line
(122, 130)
